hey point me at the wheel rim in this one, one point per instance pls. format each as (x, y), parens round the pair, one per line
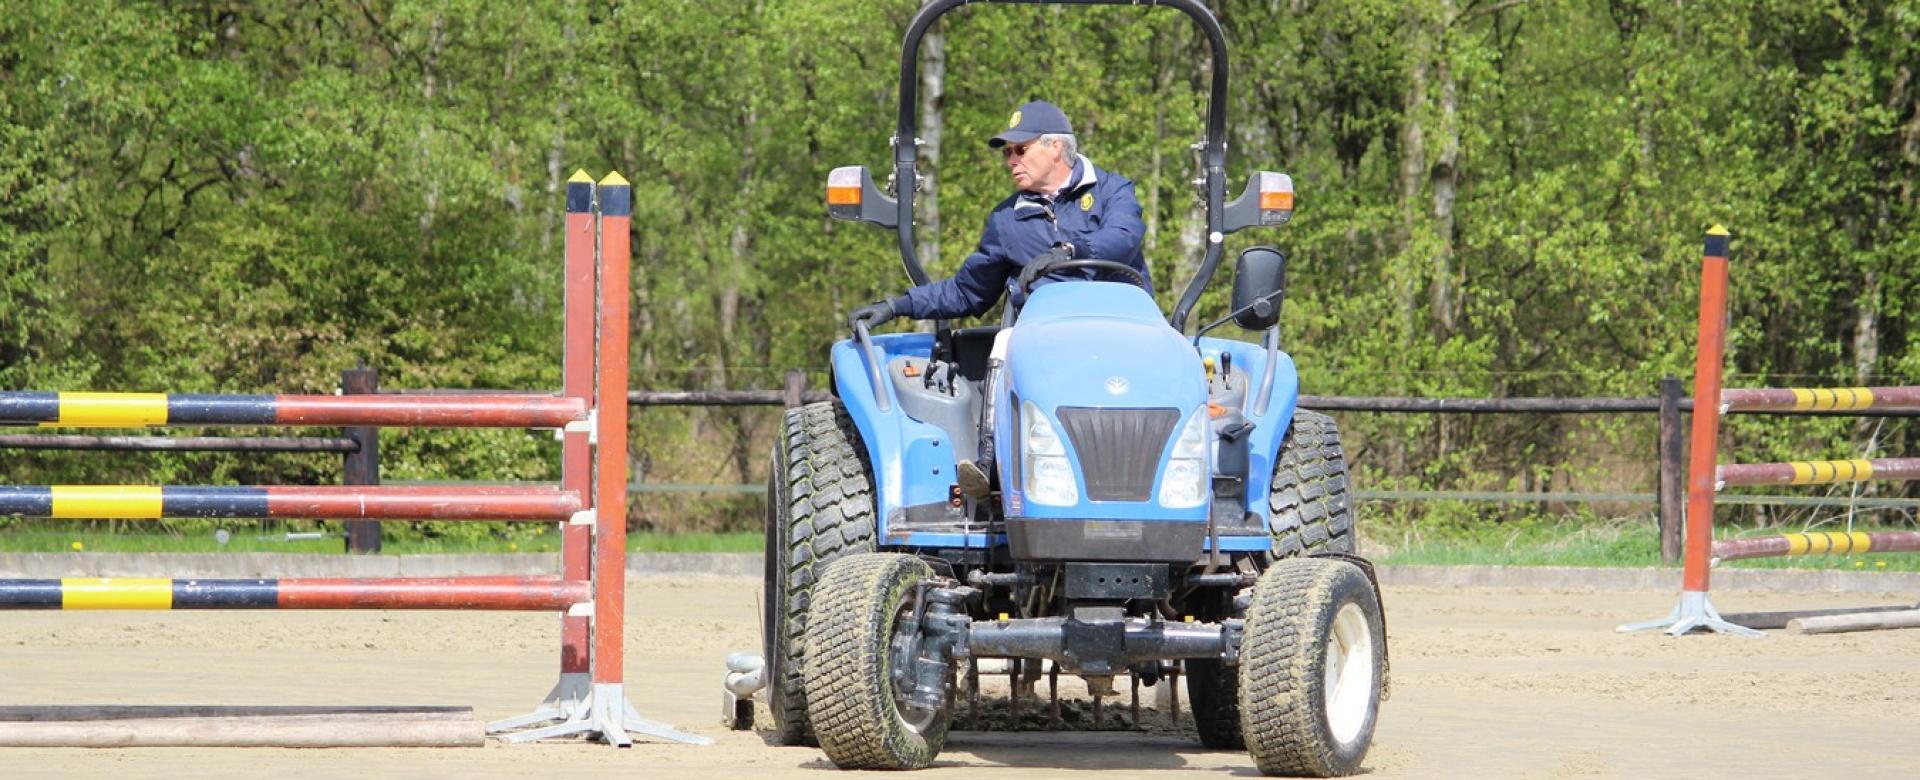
(1348, 686)
(901, 651)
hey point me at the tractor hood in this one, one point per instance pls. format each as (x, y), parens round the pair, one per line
(1101, 344)
(1116, 385)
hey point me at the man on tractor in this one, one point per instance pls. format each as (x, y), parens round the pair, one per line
(1063, 208)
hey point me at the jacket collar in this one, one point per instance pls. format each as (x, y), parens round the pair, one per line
(1083, 176)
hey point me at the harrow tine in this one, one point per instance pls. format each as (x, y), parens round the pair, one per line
(1013, 701)
(1053, 690)
(973, 692)
(1133, 681)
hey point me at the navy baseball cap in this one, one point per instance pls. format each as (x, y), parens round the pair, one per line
(1032, 121)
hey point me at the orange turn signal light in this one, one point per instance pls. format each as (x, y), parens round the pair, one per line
(1276, 201)
(843, 196)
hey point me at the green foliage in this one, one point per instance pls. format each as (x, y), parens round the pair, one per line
(1496, 199)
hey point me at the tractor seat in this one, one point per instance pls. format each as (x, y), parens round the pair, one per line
(971, 348)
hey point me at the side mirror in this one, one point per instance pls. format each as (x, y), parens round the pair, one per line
(1266, 202)
(1259, 286)
(851, 195)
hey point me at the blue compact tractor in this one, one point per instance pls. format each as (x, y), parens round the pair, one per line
(1161, 508)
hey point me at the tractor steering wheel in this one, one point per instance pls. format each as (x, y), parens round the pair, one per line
(1132, 273)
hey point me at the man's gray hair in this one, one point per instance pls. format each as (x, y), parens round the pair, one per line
(1069, 148)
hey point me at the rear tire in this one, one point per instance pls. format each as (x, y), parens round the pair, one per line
(1310, 501)
(820, 508)
(1313, 663)
(1213, 690)
(860, 632)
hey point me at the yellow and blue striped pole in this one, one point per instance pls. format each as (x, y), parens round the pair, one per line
(1817, 543)
(1820, 399)
(363, 502)
(533, 594)
(1817, 472)
(136, 410)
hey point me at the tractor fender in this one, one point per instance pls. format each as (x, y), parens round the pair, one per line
(913, 461)
(1270, 424)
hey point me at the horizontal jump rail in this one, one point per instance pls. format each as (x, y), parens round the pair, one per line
(43, 441)
(267, 732)
(515, 594)
(1866, 621)
(1816, 472)
(71, 712)
(1817, 543)
(132, 502)
(135, 410)
(1802, 399)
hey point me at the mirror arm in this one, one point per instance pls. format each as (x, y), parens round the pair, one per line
(1266, 380)
(1257, 303)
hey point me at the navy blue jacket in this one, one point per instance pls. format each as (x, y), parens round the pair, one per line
(1096, 212)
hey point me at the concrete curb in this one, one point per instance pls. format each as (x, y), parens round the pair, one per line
(266, 565)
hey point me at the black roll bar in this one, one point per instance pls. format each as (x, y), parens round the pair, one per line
(906, 148)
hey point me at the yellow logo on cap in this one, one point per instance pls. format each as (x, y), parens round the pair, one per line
(1086, 202)
(1014, 121)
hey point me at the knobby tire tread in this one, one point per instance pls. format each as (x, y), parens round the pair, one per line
(1283, 666)
(1311, 496)
(849, 669)
(821, 503)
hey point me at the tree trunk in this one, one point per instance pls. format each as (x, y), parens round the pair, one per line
(1162, 76)
(1413, 162)
(1193, 230)
(1443, 292)
(556, 153)
(428, 84)
(933, 84)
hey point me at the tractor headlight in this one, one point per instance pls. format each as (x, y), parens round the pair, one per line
(1049, 476)
(1183, 483)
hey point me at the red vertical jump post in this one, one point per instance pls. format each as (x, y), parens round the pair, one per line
(1695, 610)
(610, 466)
(570, 701)
(604, 246)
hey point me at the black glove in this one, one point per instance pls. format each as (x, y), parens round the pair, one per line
(1044, 262)
(873, 314)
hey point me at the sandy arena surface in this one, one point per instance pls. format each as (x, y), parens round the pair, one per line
(1488, 683)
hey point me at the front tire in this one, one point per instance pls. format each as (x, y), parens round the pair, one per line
(1312, 667)
(861, 631)
(1312, 510)
(820, 507)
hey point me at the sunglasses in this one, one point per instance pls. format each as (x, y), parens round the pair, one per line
(1011, 151)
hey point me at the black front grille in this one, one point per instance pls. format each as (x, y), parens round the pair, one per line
(1119, 449)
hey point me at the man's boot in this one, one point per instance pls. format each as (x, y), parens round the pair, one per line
(975, 482)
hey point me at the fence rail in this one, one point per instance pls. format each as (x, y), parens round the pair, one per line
(361, 445)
